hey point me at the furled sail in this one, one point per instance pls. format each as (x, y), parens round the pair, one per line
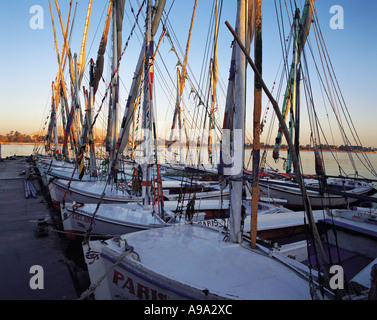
(228, 113)
(82, 57)
(98, 70)
(214, 80)
(58, 85)
(118, 13)
(129, 109)
(181, 80)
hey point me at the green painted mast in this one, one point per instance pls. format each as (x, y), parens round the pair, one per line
(303, 32)
(292, 92)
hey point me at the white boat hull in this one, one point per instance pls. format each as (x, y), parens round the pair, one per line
(356, 230)
(294, 197)
(90, 192)
(200, 266)
(110, 220)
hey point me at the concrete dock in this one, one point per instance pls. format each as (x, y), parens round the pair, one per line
(20, 246)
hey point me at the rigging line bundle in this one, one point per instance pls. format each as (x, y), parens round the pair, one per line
(115, 72)
(334, 86)
(342, 103)
(172, 36)
(95, 119)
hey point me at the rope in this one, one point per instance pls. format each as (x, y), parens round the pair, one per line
(106, 236)
(92, 288)
(89, 230)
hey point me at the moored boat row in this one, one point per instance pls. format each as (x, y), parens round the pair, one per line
(230, 234)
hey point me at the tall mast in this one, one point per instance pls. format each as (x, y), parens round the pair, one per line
(115, 89)
(306, 22)
(297, 109)
(296, 165)
(293, 85)
(76, 104)
(133, 94)
(112, 128)
(82, 57)
(60, 76)
(236, 180)
(112, 100)
(70, 129)
(256, 123)
(229, 103)
(146, 123)
(89, 115)
(181, 79)
(75, 116)
(55, 129)
(98, 70)
(95, 76)
(214, 79)
(59, 82)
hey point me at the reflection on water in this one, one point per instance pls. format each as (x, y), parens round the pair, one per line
(8, 150)
(332, 161)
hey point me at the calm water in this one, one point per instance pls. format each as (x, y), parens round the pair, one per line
(307, 160)
(16, 149)
(331, 163)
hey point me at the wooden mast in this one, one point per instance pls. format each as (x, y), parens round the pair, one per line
(256, 123)
(133, 92)
(146, 123)
(214, 80)
(181, 79)
(59, 82)
(295, 161)
(306, 22)
(293, 85)
(115, 84)
(236, 178)
(89, 114)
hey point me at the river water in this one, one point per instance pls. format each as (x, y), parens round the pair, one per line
(332, 161)
(8, 150)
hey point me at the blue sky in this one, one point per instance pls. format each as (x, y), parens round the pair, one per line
(28, 61)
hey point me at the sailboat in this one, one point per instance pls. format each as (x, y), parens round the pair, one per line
(77, 201)
(356, 229)
(339, 192)
(205, 263)
(60, 163)
(323, 191)
(66, 185)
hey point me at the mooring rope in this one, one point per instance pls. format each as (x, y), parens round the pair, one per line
(93, 287)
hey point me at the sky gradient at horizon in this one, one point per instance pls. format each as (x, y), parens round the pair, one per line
(28, 61)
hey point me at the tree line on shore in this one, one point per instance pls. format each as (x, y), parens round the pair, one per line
(17, 137)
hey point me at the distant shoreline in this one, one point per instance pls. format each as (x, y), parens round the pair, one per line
(305, 150)
(246, 148)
